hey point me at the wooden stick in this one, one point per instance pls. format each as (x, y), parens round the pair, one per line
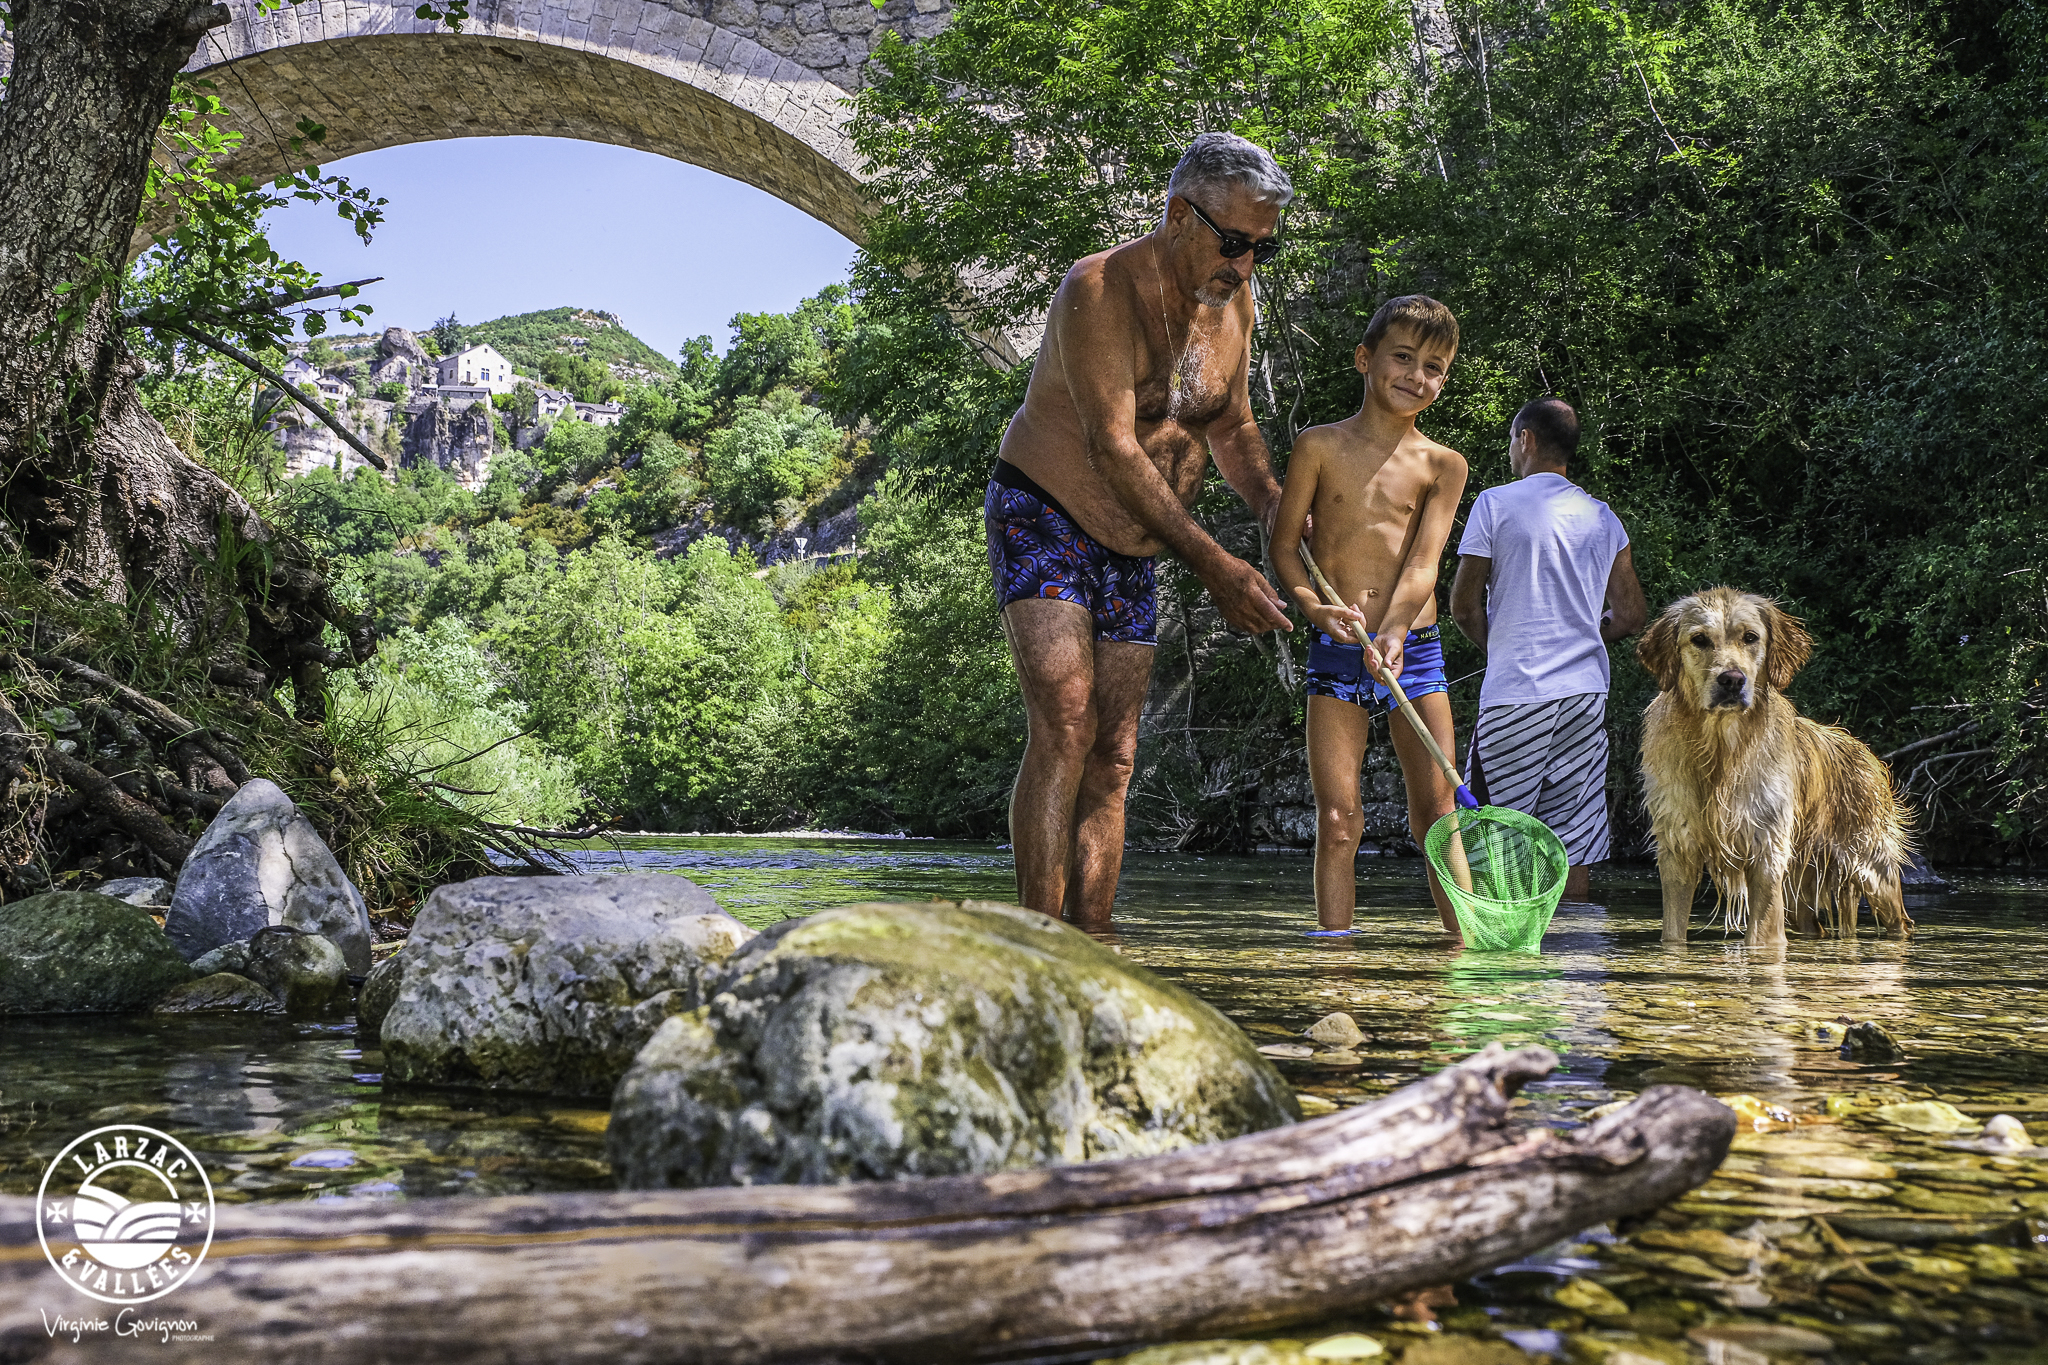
(1426, 1186)
(1461, 867)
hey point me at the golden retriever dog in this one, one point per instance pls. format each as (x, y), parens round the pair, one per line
(1778, 810)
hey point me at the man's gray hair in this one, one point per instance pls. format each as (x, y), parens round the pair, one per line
(1225, 159)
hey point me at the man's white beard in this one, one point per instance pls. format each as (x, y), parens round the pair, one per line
(1216, 293)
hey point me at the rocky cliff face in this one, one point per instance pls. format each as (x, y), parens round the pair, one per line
(309, 445)
(455, 436)
(401, 359)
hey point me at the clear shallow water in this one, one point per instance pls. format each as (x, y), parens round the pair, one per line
(293, 1111)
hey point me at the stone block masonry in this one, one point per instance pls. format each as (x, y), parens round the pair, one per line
(753, 91)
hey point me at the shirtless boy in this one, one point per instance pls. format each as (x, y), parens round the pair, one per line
(1382, 496)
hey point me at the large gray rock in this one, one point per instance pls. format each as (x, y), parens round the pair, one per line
(70, 952)
(871, 1042)
(549, 983)
(261, 863)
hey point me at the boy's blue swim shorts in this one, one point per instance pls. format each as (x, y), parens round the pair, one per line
(1337, 668)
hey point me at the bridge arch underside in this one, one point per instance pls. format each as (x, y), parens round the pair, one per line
(390, 90)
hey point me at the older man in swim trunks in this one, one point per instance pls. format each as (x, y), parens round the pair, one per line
(1142, 376)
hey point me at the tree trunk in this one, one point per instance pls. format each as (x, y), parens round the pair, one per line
(103, 503)
(1424, 1187)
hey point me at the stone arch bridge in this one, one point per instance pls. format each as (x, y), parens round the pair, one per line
(751, 89)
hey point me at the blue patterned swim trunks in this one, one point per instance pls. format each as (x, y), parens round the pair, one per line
(1036, 550)
(1336, 668)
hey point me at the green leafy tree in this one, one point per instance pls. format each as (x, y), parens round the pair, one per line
(573, 451)
(776, 450)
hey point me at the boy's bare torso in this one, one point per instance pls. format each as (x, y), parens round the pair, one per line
(1175, 405)
(1368, 511)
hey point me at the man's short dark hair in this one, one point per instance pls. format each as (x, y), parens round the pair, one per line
(1553, 424)
(1430, 320)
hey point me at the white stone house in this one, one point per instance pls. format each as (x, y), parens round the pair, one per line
(550, 402)
(600, 414)
(300, 373)
(479, 365)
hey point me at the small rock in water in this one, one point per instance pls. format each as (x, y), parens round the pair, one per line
(1927, 1116)
(1869, 1042)
(229, 957)
(151, 893)
(1290, 1052)
(1337, 1030)
(330, 1159)
(1770, 1338)
(219, 991)
(1347, 1346)
(1828, 1031)
(261, 863)
(1594, 1300)
(1917, 875)
(378, 994)
(1755, 1112)
(302, 969)
(1314, 1106)
(2004, 1133)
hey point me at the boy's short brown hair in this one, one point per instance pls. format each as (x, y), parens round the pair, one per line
(1429, 319)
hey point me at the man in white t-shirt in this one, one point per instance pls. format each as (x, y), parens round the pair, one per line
(1545, 581)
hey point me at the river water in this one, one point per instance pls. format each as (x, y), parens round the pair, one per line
(1844, 1226)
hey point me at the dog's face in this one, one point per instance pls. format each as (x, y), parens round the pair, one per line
(1715, 648)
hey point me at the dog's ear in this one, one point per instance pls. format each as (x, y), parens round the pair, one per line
(1658, 651)
(1786, 648)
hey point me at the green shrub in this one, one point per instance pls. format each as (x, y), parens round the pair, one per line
(776, 448)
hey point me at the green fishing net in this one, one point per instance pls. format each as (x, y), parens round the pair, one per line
(1517, 869)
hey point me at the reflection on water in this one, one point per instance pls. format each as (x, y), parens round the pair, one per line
(283, 1110)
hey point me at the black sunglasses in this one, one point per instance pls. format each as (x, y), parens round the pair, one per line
(1234, 244)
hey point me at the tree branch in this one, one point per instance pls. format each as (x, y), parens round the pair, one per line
(1931, 741)
(178, 727)
(243, 358)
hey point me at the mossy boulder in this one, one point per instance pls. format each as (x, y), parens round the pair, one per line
(548, 984)
(872, 1042)
(219, 992)
(75, 952)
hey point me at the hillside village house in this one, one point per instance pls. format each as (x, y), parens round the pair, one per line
(550, 402)
(600, 414)
(480, 366)
(304, 376)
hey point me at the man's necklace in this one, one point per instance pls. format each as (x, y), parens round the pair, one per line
(1159, 280)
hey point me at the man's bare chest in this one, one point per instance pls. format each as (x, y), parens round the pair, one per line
(1187, 385)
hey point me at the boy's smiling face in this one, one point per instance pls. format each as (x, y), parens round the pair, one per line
(1404, 373)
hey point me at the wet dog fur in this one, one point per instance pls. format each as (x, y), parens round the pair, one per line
(1782, 813)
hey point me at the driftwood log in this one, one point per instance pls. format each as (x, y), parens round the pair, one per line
(1429, 1185)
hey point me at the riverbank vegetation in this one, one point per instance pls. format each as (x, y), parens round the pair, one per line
(1786, 260)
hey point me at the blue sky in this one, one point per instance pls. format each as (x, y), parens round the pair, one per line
(484, 227)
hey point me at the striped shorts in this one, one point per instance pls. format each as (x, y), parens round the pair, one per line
(1548, 759)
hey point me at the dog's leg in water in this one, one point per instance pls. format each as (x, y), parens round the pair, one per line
(1888, 904)
(1805, 899)
(1766, 906)
(1681, 878)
